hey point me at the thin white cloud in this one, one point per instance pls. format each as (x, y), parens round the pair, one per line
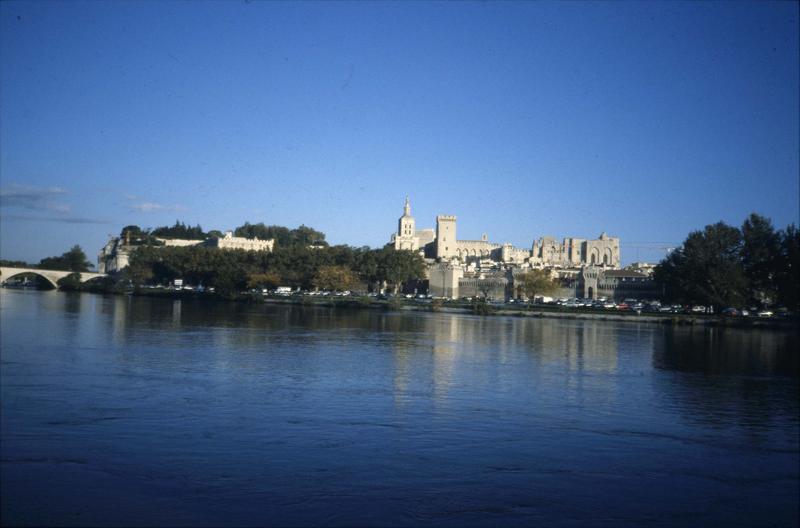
(33, 198)
(59, 219)
(155, 207)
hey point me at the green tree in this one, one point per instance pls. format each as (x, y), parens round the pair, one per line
(140, 266)
(15, 264)
(706, 269)
(787, 275)
(536, 282)
(284, 237)
(761, 249)
(71, 282)
(306, 236)
(335, 278)
(399, 267)
(180, 230)
(367, 266)
(72, 260)
(269, 280)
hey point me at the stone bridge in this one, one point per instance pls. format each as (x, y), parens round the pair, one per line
(52, 276)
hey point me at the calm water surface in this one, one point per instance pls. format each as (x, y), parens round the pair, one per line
(132, 411)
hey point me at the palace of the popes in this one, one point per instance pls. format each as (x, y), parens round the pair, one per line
(469, 268)
(585, 268)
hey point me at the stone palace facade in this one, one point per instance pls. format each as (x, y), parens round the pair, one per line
(443, 244)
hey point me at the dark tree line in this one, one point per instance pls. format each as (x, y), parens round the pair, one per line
(283, 236)
(72, 260)
(727, 266)
(180, 230)
(295, 266)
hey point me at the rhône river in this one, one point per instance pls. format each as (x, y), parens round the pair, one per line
(137, 411)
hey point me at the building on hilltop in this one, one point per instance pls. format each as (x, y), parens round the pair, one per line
(443, 244)
(115, 255)
(180, 242)
(248, 244)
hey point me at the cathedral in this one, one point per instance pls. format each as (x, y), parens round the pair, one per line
(442, 244)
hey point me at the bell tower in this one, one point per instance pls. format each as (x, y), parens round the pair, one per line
(406, 237)
(406, 225)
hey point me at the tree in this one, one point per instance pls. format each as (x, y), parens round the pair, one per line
(335, 278)
(269, 280)
(367, 266)
(761, 248)
(71, 282)
(706, 269)
(535, 282)
(72, 260)
(787, 276)
(306, 236)
(15, 264)
(180, 230)
(140, 266)
(284, 237)
(398, 267)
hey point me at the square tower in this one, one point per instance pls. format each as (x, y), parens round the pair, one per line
(446, 237)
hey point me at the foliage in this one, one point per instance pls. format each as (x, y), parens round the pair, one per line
(15, 264)
(761, 246)
(71, 282)
(536, 282)
(787, 268)
(180, 230)
(72, 260)
(706, 269)
(269, 280)
(335, 278)
(725, 266)
(397, 267)
(296, 266)
(481, 307)
(283, 236)
(136, 236)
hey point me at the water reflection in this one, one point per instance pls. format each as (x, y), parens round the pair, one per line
(282, 414)
(713, 350)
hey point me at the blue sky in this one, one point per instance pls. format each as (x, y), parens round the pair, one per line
(646, 119)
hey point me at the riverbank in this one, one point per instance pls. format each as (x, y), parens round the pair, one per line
(487, 309)
(473, 308)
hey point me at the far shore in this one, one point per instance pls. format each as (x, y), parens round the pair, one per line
(479, 308)
(488, 309)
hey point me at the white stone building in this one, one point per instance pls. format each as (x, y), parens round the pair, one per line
(248, 244)
(407, 236)
(443, 244)
(179, 242)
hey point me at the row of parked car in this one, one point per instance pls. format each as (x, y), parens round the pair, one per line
(657, 307)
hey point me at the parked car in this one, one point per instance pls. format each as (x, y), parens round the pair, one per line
(765, 313)
(730, 312)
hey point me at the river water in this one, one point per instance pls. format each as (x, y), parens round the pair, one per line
(136, 411)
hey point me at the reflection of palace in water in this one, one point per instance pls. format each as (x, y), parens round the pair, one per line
(451, 350)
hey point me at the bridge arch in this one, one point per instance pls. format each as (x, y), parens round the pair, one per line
(49, 280)
(51, 276)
